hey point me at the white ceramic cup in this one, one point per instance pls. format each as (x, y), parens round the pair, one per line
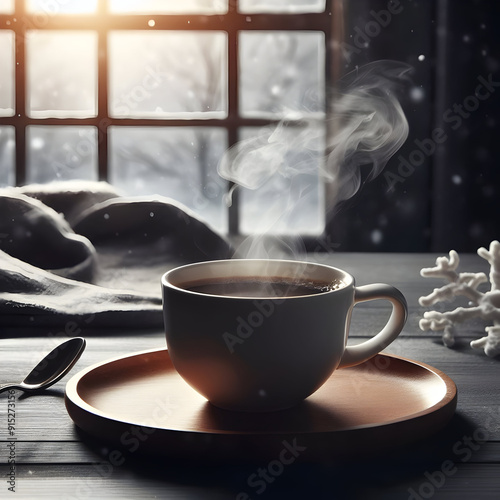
(268, 352)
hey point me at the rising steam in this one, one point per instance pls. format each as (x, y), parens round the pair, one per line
(366, 128)
(369, 126)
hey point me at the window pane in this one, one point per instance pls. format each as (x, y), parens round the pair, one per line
(6, 6)
(62, 74)
(288, 196)
(277, 6)
(177, 162)
(7, 158)
(7, 97)
(176, 74)
(168, 6)
(281, 72)
(54, 7)
(61, 153)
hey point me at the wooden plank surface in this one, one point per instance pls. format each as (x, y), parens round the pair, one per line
(54, 460)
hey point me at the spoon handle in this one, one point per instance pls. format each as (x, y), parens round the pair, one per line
(6, 387)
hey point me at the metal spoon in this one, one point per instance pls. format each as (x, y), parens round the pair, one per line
(52, 367)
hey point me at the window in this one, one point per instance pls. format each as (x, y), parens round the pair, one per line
(149, 94)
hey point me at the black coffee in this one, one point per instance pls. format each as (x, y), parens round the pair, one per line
(261, 287)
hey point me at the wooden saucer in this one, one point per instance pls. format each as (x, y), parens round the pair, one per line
(140, 403)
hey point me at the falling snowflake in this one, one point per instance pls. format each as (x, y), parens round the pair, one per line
(482, 305)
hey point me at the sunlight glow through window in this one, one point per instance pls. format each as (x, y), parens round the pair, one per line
(6, 6)
(149, 94)
(168, 6)
(54, 7)
(62, 73)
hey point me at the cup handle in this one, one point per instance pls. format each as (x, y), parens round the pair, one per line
(354, 355)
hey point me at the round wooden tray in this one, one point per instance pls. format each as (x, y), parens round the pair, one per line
(139, 403)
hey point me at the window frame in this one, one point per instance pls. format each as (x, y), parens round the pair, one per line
(103, 22)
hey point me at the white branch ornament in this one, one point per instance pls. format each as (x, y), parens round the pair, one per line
(482, 305)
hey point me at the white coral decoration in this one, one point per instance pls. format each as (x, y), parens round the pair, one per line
(482, 305)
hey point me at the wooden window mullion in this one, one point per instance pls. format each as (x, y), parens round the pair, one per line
(20, 119)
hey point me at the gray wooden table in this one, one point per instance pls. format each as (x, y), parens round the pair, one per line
(54, 460)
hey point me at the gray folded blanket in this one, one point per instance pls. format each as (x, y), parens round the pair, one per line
(79, 253)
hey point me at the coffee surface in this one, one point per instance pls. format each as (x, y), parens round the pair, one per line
(262, 287)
